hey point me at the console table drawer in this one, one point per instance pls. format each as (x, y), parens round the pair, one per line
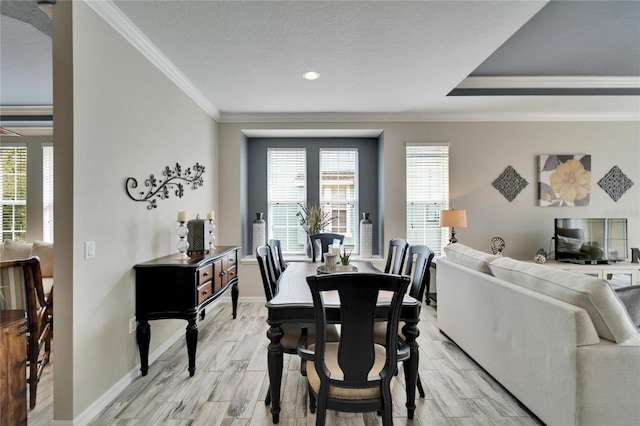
(205, 274)
(231, 273)
(204, 292)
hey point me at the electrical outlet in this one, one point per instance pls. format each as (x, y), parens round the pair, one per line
(132, 324)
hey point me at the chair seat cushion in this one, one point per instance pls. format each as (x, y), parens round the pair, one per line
(292, 333)
(331, 361)
(380, 332)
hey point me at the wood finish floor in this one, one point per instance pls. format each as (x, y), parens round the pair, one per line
(231, 382)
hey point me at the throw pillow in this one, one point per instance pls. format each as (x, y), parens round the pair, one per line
(630, 298)
(44, 251)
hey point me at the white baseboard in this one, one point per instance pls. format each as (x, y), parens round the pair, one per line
(101, 403)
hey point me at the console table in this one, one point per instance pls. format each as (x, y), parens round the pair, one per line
(170, 288)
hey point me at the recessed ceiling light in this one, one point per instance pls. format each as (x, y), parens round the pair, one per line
(311, 75)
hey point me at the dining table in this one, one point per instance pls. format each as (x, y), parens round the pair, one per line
(293, 304)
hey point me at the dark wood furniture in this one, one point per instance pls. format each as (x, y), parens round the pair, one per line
(419, 268)
(13, 380)
(21, 288)
(354, 374)
(293, 304)
(276, 251)
(170, 288)
(325, 239)
(396, 255)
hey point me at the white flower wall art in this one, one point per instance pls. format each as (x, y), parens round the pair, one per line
(564, 180)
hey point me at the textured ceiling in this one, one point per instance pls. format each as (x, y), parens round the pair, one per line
(374, 57)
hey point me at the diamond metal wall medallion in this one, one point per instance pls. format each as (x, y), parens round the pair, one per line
(510, 183)
(615, 183)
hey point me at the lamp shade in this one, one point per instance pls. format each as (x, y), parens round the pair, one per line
(453, 218)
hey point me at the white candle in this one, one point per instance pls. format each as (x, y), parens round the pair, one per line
(182, 216)
(211, 215)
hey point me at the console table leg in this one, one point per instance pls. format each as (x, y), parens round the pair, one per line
(274, 361)
(143, 337)
(411, 332)
(192, 342)
(234, 299)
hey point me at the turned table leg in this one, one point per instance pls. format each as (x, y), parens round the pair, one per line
(143, 337)
(274, 361)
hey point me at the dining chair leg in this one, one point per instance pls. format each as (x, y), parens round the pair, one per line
(267, 399)
(420, 389)
(312, 401)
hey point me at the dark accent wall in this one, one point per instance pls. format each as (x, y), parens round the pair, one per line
(369, 162)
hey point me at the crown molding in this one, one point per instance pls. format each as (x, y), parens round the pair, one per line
(421, 117)
(551, 82)
(108, 11)
(9, 110)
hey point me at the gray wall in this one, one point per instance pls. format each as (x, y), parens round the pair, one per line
(256, 172)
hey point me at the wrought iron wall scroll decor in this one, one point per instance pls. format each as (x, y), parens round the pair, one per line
(159, 189)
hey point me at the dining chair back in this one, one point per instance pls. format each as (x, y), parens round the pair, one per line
(419, 271)
(353, 374)
(420, 267)
(278, 260)
(395, 257)
(290, 331)
(21, 288)
(267, 273)
(325, 239)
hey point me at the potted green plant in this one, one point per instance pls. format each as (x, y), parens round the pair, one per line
(344, 258)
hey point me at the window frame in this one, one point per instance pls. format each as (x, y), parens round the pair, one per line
(427, 231)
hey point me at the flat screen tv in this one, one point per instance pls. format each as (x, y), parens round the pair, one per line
(591, 240)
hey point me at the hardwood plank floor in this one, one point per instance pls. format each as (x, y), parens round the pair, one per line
(231, 381)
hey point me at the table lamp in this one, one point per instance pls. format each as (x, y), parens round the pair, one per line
(453, 219)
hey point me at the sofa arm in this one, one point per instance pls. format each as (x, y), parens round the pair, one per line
(630, 298)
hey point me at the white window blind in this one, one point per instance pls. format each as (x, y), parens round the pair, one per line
(47, 193)
(13, 201)
(338, 192)
(427, 167)
(286, 188)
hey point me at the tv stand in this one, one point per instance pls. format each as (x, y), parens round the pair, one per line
(586, 261)
(619, 274)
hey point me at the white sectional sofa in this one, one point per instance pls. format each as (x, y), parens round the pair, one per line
(12, 250)
(561, 342)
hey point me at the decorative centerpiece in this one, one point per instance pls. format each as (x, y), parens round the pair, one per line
(345, 259)
(313, 220)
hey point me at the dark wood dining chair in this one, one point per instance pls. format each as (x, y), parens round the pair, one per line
(395, 256)
(278, 260)
(353, 374)
(291, 331)
(21, 288)
(325, 239)
(419, 260)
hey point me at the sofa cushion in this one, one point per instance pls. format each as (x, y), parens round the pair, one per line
(44, 251)
(630, 297)
(469, 257)
(14, 250)
(594, 295)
